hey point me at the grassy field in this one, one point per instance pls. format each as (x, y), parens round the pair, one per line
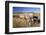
(22, 22)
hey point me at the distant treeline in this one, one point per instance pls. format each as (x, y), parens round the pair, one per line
(22, 12)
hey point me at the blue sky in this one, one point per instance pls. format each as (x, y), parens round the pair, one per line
(26, 9)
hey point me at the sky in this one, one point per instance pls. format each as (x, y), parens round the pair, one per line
(26, 9)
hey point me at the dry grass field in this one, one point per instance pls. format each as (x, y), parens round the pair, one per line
(21, 21)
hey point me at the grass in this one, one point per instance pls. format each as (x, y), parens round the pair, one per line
(22, 22)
